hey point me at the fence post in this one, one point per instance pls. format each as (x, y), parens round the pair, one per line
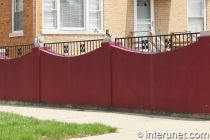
(109, 42)
(36, 49)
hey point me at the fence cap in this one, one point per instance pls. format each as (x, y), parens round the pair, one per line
(205, 33)
(110, 39)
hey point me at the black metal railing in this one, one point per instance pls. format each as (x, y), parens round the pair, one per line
(157, 43)
(73, 48)
(15, 51)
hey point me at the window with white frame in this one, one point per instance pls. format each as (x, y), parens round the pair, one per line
(50, 13)
(72, 14)
(17, 15)
(196, 15)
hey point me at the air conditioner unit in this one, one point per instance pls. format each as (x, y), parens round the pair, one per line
(39, 40)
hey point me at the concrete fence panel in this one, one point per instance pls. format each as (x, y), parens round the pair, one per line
(20, 78)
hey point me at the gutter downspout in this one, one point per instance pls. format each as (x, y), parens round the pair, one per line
(36, 19)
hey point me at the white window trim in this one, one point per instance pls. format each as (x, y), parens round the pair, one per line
(57, 8)
(16, 34)
(13, 20)
(73, 32)
(101, 11)
(204, 14)
(85, 30)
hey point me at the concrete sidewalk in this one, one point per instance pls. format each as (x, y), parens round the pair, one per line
(128, 124)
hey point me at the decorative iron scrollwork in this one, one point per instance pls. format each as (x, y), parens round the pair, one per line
(6, 52)
(144, 44)
(168, 44)
(19, 52)
(82, 48)
(66, 48)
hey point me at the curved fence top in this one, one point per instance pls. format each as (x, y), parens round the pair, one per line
(15, 51)
(73, 48)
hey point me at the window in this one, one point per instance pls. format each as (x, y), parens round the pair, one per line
(196, 15)
(17, 15)
(94, 14)
(50, 13)
(72, 14)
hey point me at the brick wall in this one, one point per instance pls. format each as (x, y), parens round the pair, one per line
(118, 18)
(170, 16)
(6, 23)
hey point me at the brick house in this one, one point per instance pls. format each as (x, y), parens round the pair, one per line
(67, 20)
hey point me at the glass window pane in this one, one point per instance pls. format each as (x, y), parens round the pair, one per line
(141, 3)
(18, 21)
(94, 16)
(18, 5)
(49, 4)
(50, 19)
(195, 24)
(49, 15)
(50, 23)
(143, 12)
(143, 27)
(148, 21)
(94, 5)
(195, 8)
(19, 1)
(94, 24)
(94, 1)
(94, 20)
(72, 13)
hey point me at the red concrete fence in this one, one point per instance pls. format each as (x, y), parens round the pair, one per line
(83, 80)
(175, 81)
(111, 76)
(19, 78)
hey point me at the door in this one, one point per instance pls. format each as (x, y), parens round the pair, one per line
(144, 16)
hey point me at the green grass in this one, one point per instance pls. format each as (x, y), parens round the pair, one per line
(17, 127)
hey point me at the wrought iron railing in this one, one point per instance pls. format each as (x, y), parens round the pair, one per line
(73, 48)
(15, 51)
(157, 43)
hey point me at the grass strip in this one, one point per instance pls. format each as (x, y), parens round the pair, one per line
(17, 127)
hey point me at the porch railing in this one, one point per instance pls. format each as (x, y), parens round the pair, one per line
(157, 43)
(73, 48)
(15, 51)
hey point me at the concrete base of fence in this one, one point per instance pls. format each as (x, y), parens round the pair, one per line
(110, 109)
(205, 33)
(39, 45)
(108, 40)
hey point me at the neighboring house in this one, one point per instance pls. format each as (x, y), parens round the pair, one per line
(67, 20)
